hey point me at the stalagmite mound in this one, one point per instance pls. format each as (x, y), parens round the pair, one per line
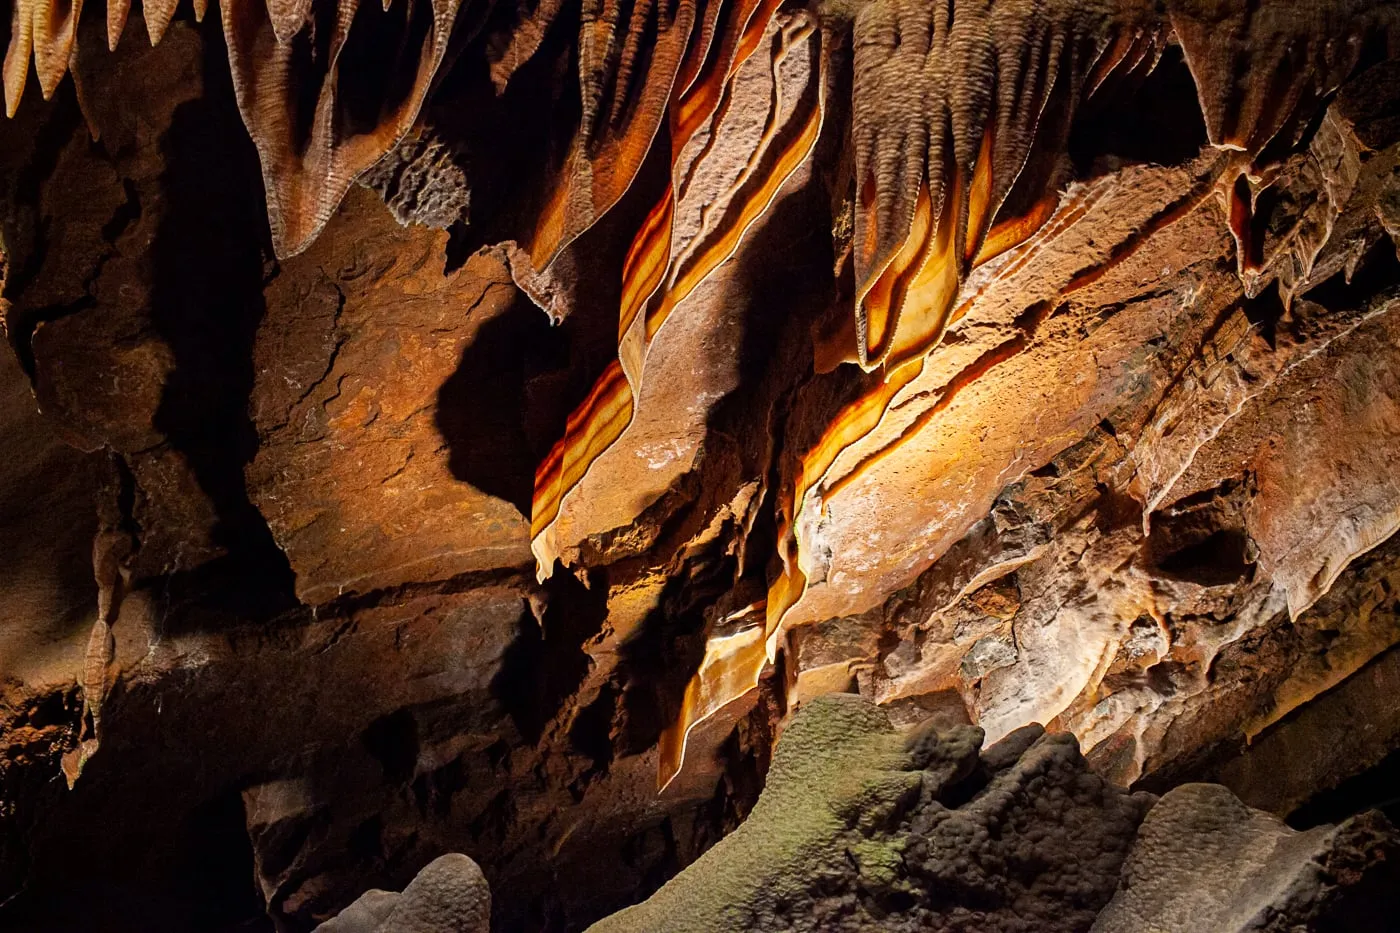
(861, 828)
(449, 895)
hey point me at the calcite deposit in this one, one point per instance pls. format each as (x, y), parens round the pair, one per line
(482, 427)
(860, 828)
(449, 894)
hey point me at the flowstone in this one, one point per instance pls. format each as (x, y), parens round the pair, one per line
(861, 828)
(1206, 863)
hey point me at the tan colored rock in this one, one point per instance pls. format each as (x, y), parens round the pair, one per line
(449, 895)
(1203, 861)
(645, 422)
(1125, 469)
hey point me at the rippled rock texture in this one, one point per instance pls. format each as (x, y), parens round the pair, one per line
(478, 427)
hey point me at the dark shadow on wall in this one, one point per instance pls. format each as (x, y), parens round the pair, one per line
(483, 409)
(522, 377)
(1150, 117)
(201, 881)
(206, 303)
(546, 662)
(1378, 788)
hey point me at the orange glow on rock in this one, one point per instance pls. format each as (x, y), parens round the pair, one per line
(656, 277)
(728, 674)
(929, 298)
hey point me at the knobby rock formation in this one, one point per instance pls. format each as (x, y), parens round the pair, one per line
(860, 828)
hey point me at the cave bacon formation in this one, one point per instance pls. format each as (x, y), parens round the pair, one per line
(697, 224)
(960, 114)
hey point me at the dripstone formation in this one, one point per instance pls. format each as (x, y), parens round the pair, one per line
(480, 427)
(860, 828)
(449, 895)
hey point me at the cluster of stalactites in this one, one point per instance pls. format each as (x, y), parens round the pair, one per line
(293, 95)
(950, 99)
(1262, 72)
(961, 109)
(953, 99)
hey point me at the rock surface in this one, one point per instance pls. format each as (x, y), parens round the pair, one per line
(450, 895)
(477, 427)
(1205, 861)
(861, 828)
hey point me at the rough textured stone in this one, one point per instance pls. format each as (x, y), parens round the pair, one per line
(1204, 861)
(861, 828)
(422, 181)
(269, 633)
(449, 895)
(1304, 753)
(365, 915)
(386, 454)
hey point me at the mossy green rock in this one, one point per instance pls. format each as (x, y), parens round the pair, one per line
(862, 828)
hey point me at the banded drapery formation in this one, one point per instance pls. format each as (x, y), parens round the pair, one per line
(1011, 361)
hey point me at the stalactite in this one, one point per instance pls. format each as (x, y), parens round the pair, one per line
(631, 53)
(311, 152)
(729, 672)
(47, 32)
(663, 267)
(1261, 74)
(948, 103)
(310, 159)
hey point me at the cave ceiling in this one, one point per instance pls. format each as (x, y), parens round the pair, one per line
(480, 424)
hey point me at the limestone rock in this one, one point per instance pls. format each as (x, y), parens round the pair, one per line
(1009, 363)
(450, 895)
(860, 828)
(365, 915)
(1204, 861)
(367, 474)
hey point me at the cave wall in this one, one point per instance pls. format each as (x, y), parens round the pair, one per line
(487, 447)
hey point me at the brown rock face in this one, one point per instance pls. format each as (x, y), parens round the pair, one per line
(479, 427)
(373, 404)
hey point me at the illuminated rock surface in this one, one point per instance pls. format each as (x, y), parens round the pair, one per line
(861, 828)
(1204, 861)
(479, 427)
